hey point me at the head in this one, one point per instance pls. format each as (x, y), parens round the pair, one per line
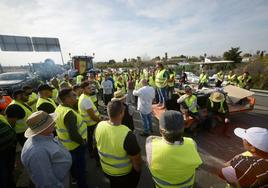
(87, 88)
(66, 77)
(72, 81)
(217, 97)
(68, 97)
(171, 125)
(45, 91)
(28, 90)
(144, 82)
(115, 111)
(188, 90)
(255, 140)
(20, 96)
(54, 82)
(40, 123)
(159, 66)
(119, 96)
(106, 76)
(91, 76)
(78, 90)
(245, 74)
(64, 85)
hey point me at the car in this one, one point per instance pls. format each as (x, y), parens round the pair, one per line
(11, 81)
(192, 78)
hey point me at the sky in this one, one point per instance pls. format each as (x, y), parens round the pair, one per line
(118, 29)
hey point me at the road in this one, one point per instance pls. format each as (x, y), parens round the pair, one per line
(214, 150)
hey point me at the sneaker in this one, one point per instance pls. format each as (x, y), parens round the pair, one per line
(144, 134)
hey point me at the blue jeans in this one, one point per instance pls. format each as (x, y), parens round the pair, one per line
(162, 95)
(78, 169)
(147, 122)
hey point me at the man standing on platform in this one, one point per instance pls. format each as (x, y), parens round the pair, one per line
(161, 80)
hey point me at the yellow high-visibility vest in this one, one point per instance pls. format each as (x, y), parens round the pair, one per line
(89, 121)
(62, 131)
(79, 79)
(151, 81)
(21, 125)
(33, 97)
(189, 101)
(172, 83)
(159, 79)
(55, 94)
(221, 110)
(172, 165)
(203, 78)
(40, 101)
(110, 143)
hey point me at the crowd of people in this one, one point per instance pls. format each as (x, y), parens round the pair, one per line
(60, 124)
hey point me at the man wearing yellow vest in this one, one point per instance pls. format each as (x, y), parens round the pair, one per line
(231, 78)
(189, 102)
(203, 79)
(217, 107)
(17, 113)
(79, 79)
(172, 158)
(118, 149)
(161, 80)
(219, 79)
(45, 102)
(33, 97)
(72, 133)
(171, 83)
(89, 112)
(95, 88)
(245, 81)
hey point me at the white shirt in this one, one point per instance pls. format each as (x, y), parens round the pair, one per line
(146, 96)
(85, 104)
(107, 86)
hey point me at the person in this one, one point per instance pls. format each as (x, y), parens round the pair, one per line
(72, 133)
(66, 80)
(118, 149)
(5, 100)
(145, 96)
(33, 97)
(89, 112)
(217, 106)
(78, 90)
(249, 169)
(129, 111)
(203, 79)
(161, 80)
(189, 102)
(45, 101)
(231, 78)
(17, 113)
(107, 86)
(219, 79)
(172, 159)
(245, 81)
(55, 92)
(45, 159)
(79, 79)
(171, 83)
(130, 89)
(95, 87)
(120, 85)
(8, 144)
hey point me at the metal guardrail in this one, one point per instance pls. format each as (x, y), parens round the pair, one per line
(262, 93)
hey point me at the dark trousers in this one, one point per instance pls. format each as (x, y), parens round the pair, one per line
(21, 139)
(218, 83)
(212, 118)
(78, 169)
(7, 163)
(130, 180)
(107, 98)
(90, 134)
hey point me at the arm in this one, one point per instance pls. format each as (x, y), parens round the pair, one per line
(182, 98)
(91, 113)
(46, 107)
(136, 162)
(70, 122)
(136, 92)
(42, 173)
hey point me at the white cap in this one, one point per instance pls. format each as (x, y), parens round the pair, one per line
(256, 136)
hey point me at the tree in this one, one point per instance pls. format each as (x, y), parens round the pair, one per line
(234, 54)
(111, 61)
(125, 60)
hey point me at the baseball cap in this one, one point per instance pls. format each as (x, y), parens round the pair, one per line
(171, 120)
(256, 136)
(44, 87)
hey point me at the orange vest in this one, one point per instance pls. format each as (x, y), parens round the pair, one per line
(6, 102)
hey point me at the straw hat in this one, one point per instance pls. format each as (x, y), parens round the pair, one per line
(216, 97)
(38, 122)
(118, 96)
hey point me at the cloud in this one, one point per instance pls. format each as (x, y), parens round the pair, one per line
(129, 28)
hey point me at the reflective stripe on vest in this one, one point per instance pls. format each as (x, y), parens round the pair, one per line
(62, 131)
(159, 79)
(84, 113)
(178, 168)
(221, 110)
(189, 102)
(110, 143)
(203, 78)
(21, 125)
(41, 101)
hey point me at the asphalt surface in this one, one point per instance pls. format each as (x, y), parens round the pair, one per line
(214, 149)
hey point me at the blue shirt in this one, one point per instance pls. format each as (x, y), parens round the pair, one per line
(47, 161)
